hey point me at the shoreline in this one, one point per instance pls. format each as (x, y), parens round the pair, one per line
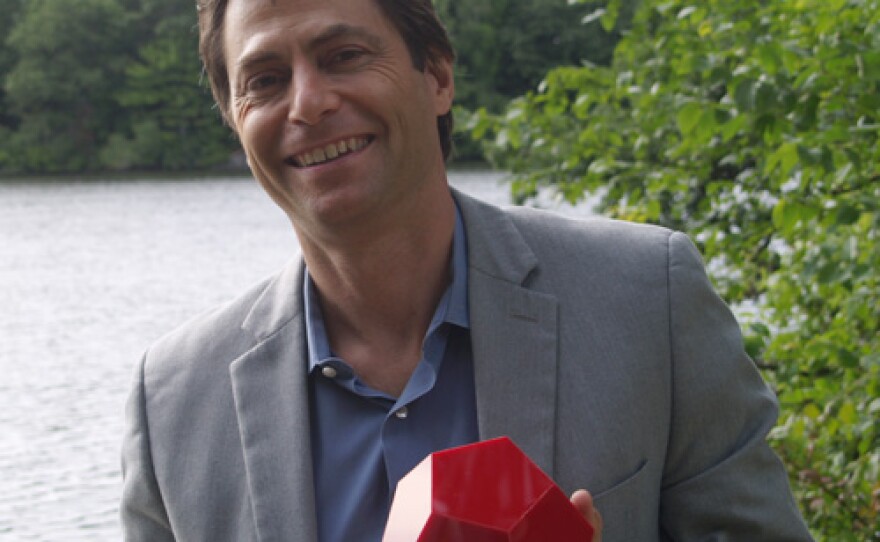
(180, 175)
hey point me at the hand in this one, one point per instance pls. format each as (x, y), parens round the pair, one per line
(583, 501)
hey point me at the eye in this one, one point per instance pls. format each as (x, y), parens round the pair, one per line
(343, 57)
(263, 83)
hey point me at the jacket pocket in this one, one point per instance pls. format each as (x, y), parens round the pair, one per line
(629, 509)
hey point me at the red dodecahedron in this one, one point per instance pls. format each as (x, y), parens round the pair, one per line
(484, 492)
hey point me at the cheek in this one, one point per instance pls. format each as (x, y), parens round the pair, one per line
(257, 132)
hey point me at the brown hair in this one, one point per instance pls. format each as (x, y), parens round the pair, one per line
(415, 20)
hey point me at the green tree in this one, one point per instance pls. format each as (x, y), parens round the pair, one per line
(754, 126)
(8, 122)
(105, 84)
(505, 46)
(171, 122)
(68, 63)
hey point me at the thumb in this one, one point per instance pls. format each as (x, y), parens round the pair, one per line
(583, 501)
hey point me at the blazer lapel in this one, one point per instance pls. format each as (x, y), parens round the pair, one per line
(271, 399)
(513, 335)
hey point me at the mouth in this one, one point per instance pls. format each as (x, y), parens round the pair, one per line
(329, 152)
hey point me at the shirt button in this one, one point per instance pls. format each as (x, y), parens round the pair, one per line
(328, 371)
(402, 413)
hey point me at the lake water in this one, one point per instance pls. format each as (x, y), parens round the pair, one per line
(90, 274)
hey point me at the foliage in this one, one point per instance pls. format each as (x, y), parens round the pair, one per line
(62, 101)
(126, 96)
(129, 96)
(755, 126)
(172, 123)
(10, 9)
(504, 48)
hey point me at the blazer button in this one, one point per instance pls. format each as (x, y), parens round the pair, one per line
(328, 371)
(401, 413)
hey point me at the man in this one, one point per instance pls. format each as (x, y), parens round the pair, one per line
(418, 319)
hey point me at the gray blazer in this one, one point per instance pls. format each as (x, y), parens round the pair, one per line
(599, 347)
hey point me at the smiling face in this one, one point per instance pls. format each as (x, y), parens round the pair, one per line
(337, 124)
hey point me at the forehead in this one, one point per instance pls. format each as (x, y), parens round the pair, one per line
(252, 24)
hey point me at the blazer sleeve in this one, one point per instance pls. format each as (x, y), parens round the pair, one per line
(721, 480)
(144, 518)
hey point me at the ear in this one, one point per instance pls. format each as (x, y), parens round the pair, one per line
(442, 84)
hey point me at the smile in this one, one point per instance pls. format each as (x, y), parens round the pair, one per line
(329, 152)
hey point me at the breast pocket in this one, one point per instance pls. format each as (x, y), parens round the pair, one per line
(629, 508)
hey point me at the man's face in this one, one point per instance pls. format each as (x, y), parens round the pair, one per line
(337, 124)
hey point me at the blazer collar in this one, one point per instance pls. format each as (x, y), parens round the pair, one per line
(495, 246)
(280, 301)
(513, 334)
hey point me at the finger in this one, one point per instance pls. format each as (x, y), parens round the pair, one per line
(583, 501)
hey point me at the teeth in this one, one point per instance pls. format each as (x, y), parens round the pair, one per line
(330, 152)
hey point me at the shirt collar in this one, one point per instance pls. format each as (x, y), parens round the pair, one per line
(453, 306)
(316, 333)
(457, 311)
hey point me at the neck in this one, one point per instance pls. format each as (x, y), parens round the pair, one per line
(378, 294)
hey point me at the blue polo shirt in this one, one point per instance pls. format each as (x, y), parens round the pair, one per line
(364, 441)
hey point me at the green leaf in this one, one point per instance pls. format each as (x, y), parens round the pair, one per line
(846, 215)
(812, 411)
(744, 95)
(788, 214)
(609, 18)
(760, 329)
(847, 359)
(766, 97)
(785, 158)
(847, 414)
(733, 127)
(689, 116)
(770, 57)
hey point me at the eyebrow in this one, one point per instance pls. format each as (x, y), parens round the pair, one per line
(255, 58)
(331, 33)
(340, 30)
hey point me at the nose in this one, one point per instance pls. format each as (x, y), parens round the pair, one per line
(311, 97)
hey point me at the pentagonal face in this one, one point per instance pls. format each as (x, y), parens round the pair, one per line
(552, 518)
(490, 483)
